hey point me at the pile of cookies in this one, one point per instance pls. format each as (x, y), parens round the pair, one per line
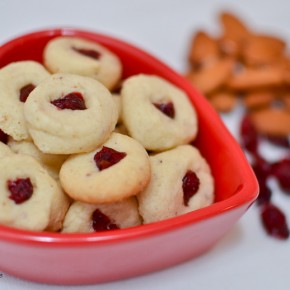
(242, 64)
(77, 156)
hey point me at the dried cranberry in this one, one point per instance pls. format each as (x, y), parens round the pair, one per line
(190, 186)
(107, 157)
(21, 189)
(262, 169)
(25, 91)
(101, 222)
(274, 221)
(166, 108)
(281, 170)
(249, 135)
(3, 137)
(72, 101)
(265, 194)
(88, 52)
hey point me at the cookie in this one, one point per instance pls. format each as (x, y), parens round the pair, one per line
(156, 113)
(70, 114)
(4, 150)
(118, 103)
(114, 171)
(83, 217)
(51, 162)
(181, 181)
(83, 57)
(17, 80)
(29, 198)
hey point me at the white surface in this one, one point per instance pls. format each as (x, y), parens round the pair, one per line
(246, 258)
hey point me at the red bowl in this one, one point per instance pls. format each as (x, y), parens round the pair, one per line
(98, 257)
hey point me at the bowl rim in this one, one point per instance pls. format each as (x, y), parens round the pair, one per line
(245, 194)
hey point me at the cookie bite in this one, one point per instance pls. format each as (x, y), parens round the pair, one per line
(29, 198)
(181, 182)
(85, 218)
(116, 170)
(156, 113)
(83, 57)
(70, 114)
(17, 80)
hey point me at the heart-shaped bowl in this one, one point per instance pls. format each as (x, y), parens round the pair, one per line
(85, 258)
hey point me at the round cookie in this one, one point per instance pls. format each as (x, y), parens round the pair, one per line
(70, 114)
(83, 57)
(29, 198)
(51, 162)
(156, 113)
(83, 217)
(16, 82)
(181, 182)
(114, 171)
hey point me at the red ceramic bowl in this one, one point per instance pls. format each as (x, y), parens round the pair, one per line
(106, 256)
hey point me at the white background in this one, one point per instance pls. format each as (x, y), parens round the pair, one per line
(244, 259)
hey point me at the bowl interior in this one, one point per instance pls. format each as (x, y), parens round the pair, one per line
(234, 180)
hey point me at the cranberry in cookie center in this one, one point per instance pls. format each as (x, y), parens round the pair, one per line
(107, 157)
(101, 222)
(71, 101)
(88, 52)
(21, 189)
(190, 186)
(166, 108)
(25, 91)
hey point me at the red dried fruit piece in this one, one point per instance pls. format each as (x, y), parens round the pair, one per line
(88, 52)
(107, 157)
(262, 170)
(72, 101)
(21, 189)
(265, 194)
(3, 137)
(281, 170)
(25, 91)
(166, 108)
(274, 221)
(190, 186)
(249, 135)
(101, 222)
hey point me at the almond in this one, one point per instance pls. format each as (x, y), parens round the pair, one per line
(203, 49)
(235, 32)
(233, 27)
(272, 121)
(262, 49)
(223, 101)
(259, 98)
(252, 78)
(212, 76)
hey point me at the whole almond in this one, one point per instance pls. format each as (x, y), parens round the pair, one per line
(259, 98)
(272, 121)
(233, 27)
(261, 77)
(203, 49)
(262, 49)
(212, 76)
(223, 101)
